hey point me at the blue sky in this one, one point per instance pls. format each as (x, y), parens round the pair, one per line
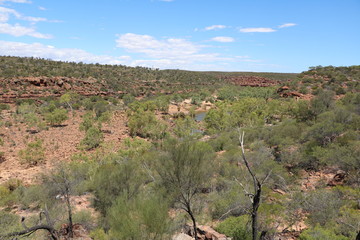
(224, 35)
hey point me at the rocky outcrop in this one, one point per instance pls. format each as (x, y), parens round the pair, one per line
(338, 178)
(12, 89)
(182, 236)
(286, 92)
(204, 233)
(207, 233)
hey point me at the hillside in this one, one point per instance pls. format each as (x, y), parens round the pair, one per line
(74, 143)
(337, 79)
(32, 78)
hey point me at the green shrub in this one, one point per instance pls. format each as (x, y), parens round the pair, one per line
(13, 183)
(88, 122)
(235, 227)
(4, 106)
(9, 222)
(57, 117)
(84, 218)
(93, 138)
(33, 154)
(7, 197)
(145, 124)
(31, 196)
(319, 233)
(141, 218)
(99, 234)
(127, 99)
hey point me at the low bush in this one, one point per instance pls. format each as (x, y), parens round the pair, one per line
(93, 138)
(33, 154)
(56, 117)
(235, 227)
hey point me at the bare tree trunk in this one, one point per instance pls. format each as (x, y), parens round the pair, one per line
(256, 197)
(254, 213)
(194, 224)
(70, 215)
(31, 230)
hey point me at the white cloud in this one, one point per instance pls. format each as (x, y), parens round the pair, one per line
(223, 39)
(166, 53)
(287, 25)
(60, 54)
(15, 1)
(17, 30)
(261, 30)
(42, 8)
(169, 48)
(6, 12)
(215, 27)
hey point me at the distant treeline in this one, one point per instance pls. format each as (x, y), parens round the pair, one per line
(139, 80)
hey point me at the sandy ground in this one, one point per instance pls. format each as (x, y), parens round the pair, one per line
(60, 144)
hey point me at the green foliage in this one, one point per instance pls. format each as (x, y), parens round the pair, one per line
(100, 108)
(65, 179)
(141, 218)
(323, 206)
(84, 218)
(229, 199)
(232, 93)
(69, 99)
(224, 141)
(320, 233)
(9, 222)
(162, 103)
(145, 124)
(4, 195)
(33, 196)
(99, 234)
(227, 93)
(246, 112)
(134, 147)
(183, 168)
(88, 122)
(127, 99)
(185, 127)
(56, 117)
(4, 106)
(322, 102)
(93, 138)
(235, 227)
(120, 177)
(27, 114)
(33, 154)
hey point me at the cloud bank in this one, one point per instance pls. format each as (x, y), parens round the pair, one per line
(223, 39)
(258, 30)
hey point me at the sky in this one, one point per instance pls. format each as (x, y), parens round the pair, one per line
(201, 35)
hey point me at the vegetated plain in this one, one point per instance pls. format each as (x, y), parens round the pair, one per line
(115, 152)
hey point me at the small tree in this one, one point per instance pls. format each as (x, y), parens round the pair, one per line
(56, 117)
(33, 154)
(93, 138)
(184, 171)
(67, 99)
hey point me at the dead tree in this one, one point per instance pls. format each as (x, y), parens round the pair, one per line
(255, 197)
(48, 226)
